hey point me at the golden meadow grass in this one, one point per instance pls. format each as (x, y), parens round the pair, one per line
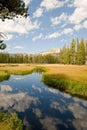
(69, 78)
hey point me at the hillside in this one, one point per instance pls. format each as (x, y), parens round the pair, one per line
(53, 51)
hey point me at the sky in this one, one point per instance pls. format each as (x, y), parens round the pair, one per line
(51, 24)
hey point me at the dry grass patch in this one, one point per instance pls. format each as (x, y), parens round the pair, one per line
(16, 69)
(73, 72)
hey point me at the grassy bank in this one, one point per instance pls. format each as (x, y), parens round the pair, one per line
(20, 69)
(68, 78)
(10, 121)
(4, 76)
(62, 83)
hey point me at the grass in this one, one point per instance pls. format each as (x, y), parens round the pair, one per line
(69, 78)
(20, 69)
(72, 72)
(62, 83)
(4, 76)
(10, 121)
(39, 69)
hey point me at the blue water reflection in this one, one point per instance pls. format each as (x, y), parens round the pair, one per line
(41, 107)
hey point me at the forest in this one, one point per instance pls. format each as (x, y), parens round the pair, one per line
(76, 53)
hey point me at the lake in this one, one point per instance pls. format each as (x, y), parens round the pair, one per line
(41, 107)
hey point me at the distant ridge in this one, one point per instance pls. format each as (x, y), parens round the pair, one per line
(53, 51)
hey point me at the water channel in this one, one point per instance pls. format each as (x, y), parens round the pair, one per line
(41, 107)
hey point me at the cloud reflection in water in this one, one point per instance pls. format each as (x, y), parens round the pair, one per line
(43, 108)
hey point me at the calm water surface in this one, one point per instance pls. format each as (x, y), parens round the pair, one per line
(41, 107)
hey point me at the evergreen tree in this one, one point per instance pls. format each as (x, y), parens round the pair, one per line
(86, 52)
(72, 52)
(64, 55)
(80, 57)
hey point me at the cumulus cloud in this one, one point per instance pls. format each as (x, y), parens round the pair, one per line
(38, 13)
(77, 27)
(27, 2)
(69, 3)
(85, 24)
(78, 3)
(80, 12)
(77, 18)
(40, 36)
(20, 25)
(57, 20)
(9, 37)
(58, 34)
(53, 35)
(81, 26)
(51, 4)
(18, 47)
(47, 5)
(67, 31)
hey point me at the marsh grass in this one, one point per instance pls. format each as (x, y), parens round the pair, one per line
(4, 76)
(24, 69)
(39, 69)
(10, 121)
(63, 83)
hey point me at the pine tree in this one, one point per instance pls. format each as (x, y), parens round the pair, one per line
(86, 52)
(64, 55)
(80, 53)
(72, 52)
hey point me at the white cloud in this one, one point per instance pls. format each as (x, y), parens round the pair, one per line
(9, 37)
(58, 34)
(51, 4)
(18, 25)
(80, 3)
(78, 16)
(38, 13)
(27, 2)
(48, 5)
(81, 26)
(77, 27)
(80, 12)
(69, 3)
(67, 31)
(85, 24)
(57, 20)
(19, 47)
(53, 35)
(40, 36)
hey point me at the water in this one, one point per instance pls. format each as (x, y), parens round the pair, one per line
(41, 107)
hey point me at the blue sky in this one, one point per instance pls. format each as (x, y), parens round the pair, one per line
(51, 24)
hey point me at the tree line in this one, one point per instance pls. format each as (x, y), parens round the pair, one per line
(26, 58)
(76, 53)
